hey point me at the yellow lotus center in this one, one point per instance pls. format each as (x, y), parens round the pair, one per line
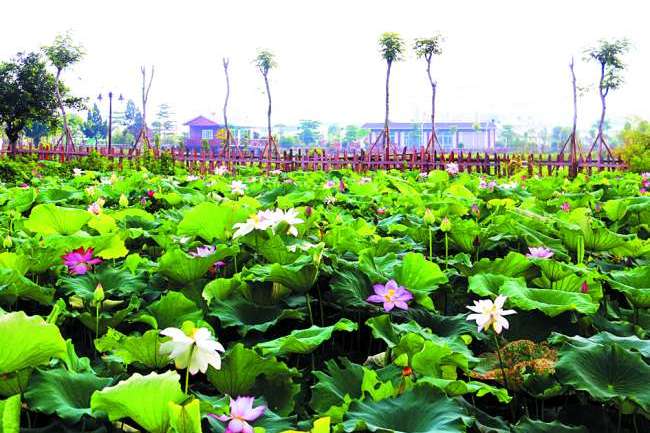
(389, 296)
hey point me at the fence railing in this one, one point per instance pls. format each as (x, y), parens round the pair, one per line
(499, 164)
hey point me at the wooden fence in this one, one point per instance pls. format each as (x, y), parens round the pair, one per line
(499, 164)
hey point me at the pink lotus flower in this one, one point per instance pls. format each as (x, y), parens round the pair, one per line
(242, 413)
(584, 287)
(452, 168)
(203, 251)
(381, 211)
(476, 211)
(539, 253)
(329, 184)
(391, 295)
(566, 207)
(80, 260)
(151, 193)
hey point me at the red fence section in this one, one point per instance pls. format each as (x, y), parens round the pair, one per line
(206, 161)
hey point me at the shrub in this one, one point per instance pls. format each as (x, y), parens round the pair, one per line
(636, 146)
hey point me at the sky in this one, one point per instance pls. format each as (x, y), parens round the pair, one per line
(502, 59)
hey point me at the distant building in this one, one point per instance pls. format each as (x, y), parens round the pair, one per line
(468, 136)
(202, 129)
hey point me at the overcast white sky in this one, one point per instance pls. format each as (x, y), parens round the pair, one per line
(501, 58)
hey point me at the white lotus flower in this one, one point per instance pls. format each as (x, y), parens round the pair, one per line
(194, 352)
(238, 187)
(490, 314)
(221, 170)
(291, 218)
(262, 220)
(76, 172)
(276, 172)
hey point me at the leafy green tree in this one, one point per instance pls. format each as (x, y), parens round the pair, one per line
(94, 127)
(26, 95)
(63, 53)
(635, 149)
(164, 124)
(608, 55)
(392, 47)
(265, 61)
(308, 132)
(426, 48)
(36, 131)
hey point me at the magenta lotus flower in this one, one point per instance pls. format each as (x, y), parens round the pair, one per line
(584, 287)
(391, 295)
(79, 261)
(566, 207)
(242, 413)
(539, 253)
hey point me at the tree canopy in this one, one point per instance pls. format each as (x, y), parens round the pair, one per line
(426, 48)
(27, 94)
(391, 46)
(63, 53)
(609, 55)
(265, 61)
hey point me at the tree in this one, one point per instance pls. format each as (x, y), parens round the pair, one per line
(308, 132)
(608, 54)
(146, 88)
(133, 118)
(391, 47)
(265, 61)
(26, 95)
(636, 145)
(163, 125)
(226, 63)
(36, 131)
(94, 127)
(63, 53)
(426, 48)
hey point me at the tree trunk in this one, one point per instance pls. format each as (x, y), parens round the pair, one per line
(434, 136)
(268, 114)
(225, 103)
(573, 168)
(13, 141)
(386, 130)
(66, 132)
(603, 94)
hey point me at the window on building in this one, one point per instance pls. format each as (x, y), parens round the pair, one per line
(207, 134)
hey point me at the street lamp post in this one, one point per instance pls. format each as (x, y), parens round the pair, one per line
(110, 116)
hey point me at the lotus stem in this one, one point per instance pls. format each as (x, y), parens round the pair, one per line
(503, 373)
(446, 250)
(311, 315)
(430, 245)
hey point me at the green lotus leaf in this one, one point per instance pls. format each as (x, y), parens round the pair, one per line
(15, 383)
(608, 373)
(527, 425)
(463, 233)
(298, 276)
(295, 198)
(514, 264)
(66, 393)
(172, 309)
(596, 238)
(108, 319)
(144, 399)
(247, 316)
(337, 386)
(351, 288)
(420, 276)
(183, 268)
(10, 415)
(421, 410)
(185, 418)
(222, 288)
(631, 343)
(615, 209)
(634, 283)
(378, 268)
(491, 284)
(304, 340)
(244, 372)
(455, 388)
(115, 282)
(15, 286)
(143, 349)
(47, 219)
(20, 199)
(213, 221)
(28, 341)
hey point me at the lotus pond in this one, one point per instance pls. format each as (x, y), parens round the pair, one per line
(310, 301)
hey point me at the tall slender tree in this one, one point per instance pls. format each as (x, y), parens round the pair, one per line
(608, 54)
(143, 134)
(63, 53)
(226, 63)
(391, 47)
(426, 48)
(265, 61)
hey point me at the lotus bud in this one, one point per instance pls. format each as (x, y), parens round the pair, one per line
(381, 211)
(7, 242)
(308, 211)
(584, 288)
(445, 225)
(429, 218)
(98, 294)
(476, 211)
(123, 201)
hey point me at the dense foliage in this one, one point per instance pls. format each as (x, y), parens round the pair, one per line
(339, 300)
